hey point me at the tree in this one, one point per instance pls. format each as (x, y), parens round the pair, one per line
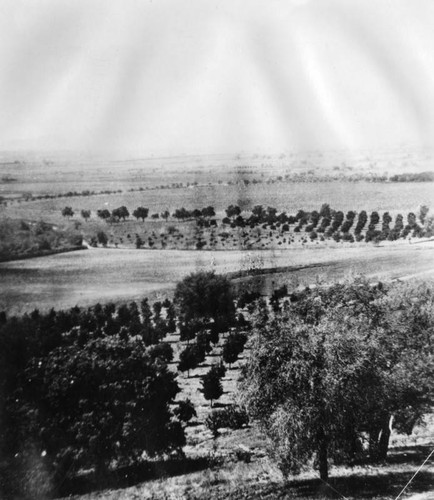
(190, 358)
(85, 214)
(233, 211)
(103, 214)
(203, 340)
(85, 406)
(67, 212)
(204, 295)
(165, 215)
(208, 211)
(211, 384)
(120, 213)
(102, 238)
(336, 366)
(141, 213)
(139, 242)
(423, 212)
(185, 411)
(233, 347)
(163, 351)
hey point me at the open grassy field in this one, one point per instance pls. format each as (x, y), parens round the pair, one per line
(393, 197)
(38, 173)
(101, 275)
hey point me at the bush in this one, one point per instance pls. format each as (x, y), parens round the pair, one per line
(231, 417)
(185, 411)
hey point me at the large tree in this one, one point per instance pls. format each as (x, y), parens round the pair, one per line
(336, 366)
(87, 405)
(141, 213)
(120, 212)
(212, 387)
(205, 295)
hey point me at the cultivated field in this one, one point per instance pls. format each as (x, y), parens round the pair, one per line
(392, 197)
(100, 275)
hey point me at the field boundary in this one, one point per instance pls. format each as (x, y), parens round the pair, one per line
(273, 270)
(44, 253)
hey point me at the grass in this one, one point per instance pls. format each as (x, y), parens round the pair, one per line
(289, 197)
(212, 468)
(102, 275)
(261, 479)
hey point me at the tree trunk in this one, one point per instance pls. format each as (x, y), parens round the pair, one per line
(383, 444)
(322, 461)
(101, 472)
(373, 444)
(379, 441)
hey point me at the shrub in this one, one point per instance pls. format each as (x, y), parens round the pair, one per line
(231, 417)
(185, 411)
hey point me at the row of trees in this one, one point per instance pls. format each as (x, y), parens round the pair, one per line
(328, 369)
(89, 388)
(325, 223)
(334, 224)
(141, 213)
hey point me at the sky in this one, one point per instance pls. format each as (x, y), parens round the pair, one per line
(201, 76)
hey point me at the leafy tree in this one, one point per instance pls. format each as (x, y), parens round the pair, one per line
(162, 351)
(204, 295)
(67, 212)
(208, 211)
(170, 317)
(423, 212)
(102, 238)
(211, 384)
(85, 406)
(325, 211)
(103, 214)
(120, 213)
(233, 347)
(85, 214)
(141, 213)
(165, 215)
(157, 307)
(203, 340)
(190, 358)
(139, 242)
(233, 211)
(146, 313)
(336, 366)
(185, 411)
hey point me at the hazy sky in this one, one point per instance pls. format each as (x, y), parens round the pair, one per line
(187, 76)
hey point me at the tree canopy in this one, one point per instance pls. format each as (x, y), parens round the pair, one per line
(336, 365)
(204, 295)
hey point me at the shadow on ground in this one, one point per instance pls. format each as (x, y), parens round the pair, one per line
(130, 476)
(370, 484)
